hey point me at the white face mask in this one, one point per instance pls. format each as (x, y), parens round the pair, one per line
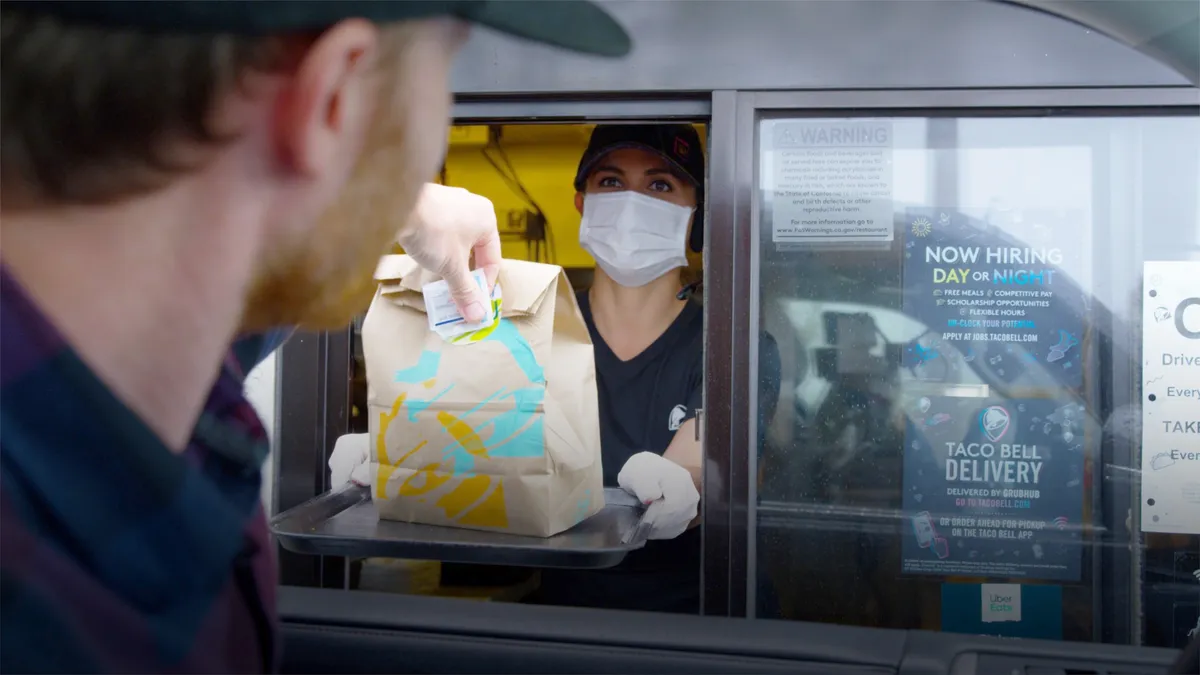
(634, 238)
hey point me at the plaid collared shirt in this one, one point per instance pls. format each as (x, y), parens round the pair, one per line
(116, 554)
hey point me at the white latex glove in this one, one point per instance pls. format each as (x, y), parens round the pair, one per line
(666, 488)
(350, 461)
(447, 226)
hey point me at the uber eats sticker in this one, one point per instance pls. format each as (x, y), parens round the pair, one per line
(1006, 610)
(1171, 397)
(1001, 602)
(994, 487)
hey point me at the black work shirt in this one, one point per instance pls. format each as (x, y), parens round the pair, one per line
(642, 404)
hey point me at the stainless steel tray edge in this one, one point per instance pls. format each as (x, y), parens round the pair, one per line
(345, 523)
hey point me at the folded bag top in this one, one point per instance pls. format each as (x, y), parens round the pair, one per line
(525, 284)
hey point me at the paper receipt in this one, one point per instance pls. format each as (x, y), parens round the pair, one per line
(444, 317)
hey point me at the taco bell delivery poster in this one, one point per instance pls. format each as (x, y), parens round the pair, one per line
(994, 487)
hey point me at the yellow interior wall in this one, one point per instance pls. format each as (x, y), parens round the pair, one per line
(545, 157)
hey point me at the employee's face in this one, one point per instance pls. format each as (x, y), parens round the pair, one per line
(322, 277)
(639, 171)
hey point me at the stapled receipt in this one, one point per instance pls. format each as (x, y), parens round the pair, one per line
(447, 321)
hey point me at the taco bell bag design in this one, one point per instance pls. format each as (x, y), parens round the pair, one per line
(491, 426)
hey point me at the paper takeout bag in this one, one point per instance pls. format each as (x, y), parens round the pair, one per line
(501, 434)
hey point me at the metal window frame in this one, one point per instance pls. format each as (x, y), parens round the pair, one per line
(313, 384)
(732, 292)
(477, 109)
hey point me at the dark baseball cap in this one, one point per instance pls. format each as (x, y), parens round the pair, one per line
(572, 24)
(678, 144)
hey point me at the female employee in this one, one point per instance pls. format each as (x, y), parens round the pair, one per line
(639, 189)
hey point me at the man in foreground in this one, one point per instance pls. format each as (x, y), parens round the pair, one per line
(172, 177)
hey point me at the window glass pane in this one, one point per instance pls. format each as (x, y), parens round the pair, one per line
(966, 312)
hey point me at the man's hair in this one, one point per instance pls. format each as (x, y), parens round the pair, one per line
(93, 115)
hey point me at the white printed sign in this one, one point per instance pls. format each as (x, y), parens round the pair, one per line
(1001, 602)
(831, 182)
(1171, 397)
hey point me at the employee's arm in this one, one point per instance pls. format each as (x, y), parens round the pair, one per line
(685, 451)
(684, 448)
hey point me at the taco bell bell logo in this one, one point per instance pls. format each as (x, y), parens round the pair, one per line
(993, 421)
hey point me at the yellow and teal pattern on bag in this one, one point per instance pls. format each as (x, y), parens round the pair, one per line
(468, 497)
(483, 333)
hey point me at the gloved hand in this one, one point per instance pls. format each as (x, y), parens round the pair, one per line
(446, 227)
(666, 488)
(350, 460)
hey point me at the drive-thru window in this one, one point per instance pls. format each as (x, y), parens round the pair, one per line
(974, 244)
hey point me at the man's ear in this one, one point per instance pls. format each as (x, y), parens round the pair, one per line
(579, 202)
(328, 100)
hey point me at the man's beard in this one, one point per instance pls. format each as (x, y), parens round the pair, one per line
(325, 281)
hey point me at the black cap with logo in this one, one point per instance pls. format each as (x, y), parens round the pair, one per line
(678, 144)
(572, 24)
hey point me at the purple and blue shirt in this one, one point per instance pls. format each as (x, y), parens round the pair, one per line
(117, 554)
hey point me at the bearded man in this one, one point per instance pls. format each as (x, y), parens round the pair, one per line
(180, 180)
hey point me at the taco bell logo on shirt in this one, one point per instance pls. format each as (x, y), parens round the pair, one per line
(1001, 602)
(675, 420)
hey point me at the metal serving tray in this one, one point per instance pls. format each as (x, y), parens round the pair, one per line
(345, 523)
